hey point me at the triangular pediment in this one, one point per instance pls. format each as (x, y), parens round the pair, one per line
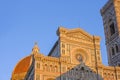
(79, 34)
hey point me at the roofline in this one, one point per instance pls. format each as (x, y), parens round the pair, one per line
(53, 48)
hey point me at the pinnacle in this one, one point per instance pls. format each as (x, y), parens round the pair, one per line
(35, 48)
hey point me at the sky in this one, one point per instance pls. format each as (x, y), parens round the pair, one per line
(24, 22)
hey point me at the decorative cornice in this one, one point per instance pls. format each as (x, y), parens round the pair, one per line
(76, 34)
(65, 31)
(106, 6)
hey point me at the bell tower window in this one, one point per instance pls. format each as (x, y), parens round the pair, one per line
(113, 52)
(112, 29)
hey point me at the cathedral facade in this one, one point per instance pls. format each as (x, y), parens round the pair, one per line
(76, 54)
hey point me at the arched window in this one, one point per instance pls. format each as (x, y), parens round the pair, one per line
(37, 77)
(113, 52)
(45, 67)
(112, 29)
(38, 65)
(56, 69)
(51, 69)
(116, 48)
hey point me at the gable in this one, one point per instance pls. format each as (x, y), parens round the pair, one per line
(76, 33)
(79, 34)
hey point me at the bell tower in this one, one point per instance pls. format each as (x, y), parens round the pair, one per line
(111, 21)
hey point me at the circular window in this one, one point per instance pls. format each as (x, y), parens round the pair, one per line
(79, 57)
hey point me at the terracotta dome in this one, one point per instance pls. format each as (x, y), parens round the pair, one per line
(23, 65)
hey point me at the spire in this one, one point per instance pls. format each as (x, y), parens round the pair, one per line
(35, 48)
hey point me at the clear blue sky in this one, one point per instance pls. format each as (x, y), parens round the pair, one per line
(22, 22)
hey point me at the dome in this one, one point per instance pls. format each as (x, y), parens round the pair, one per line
(23, 65)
